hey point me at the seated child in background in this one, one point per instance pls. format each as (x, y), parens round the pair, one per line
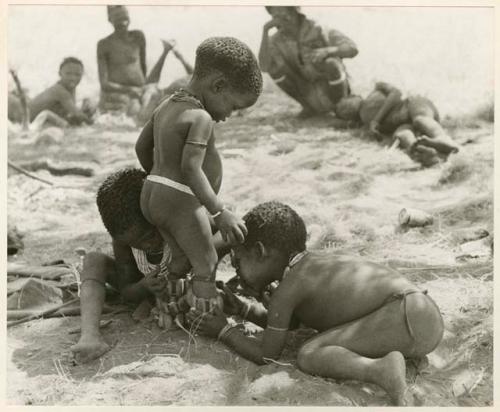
(138, 251)
(57, 104)
(414, 122)
(368, 316)
(177, 149)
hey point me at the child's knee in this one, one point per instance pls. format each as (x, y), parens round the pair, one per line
(304, 357)
(96, 265)
(406, 138)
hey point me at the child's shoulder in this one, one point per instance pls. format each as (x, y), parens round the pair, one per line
(183, 111)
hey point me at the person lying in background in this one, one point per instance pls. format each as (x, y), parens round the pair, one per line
(121, 59)
(55, 106)
(305, 60)
(413, 122)
(368, 317)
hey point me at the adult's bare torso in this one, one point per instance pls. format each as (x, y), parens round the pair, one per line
(123, 59)
(169, 140)
(339, 289)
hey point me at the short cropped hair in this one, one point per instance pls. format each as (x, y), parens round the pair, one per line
(277, 226)
(68, 60)
(233, 59)
(118, 201)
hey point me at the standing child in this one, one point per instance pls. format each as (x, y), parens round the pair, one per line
(177, 148)
(368, 316)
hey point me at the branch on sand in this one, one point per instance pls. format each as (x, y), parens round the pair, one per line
(57, 169)
(24, 100)
(42, 314)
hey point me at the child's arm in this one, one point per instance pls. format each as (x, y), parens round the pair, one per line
(268, 60)
(393, 97)
(145, 146)
(133, 286)
(193, 155)
(74, 114)
(284, 300)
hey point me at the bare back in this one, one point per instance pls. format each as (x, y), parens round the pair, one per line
(170, 130)
(335, 290)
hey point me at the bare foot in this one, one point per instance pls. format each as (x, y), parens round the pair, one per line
(168, 44)
(392, 377)
(88, 349)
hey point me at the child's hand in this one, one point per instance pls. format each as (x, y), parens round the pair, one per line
(231, 228)
(135, 92)
(373, 129)
(208, 324)
(232, 304)
(154, 284)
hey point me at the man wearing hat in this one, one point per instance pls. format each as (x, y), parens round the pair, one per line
(121, 60)
(305, 60)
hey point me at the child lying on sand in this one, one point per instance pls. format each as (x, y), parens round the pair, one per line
(57, 104)
(414, 122)
(368, 316)
(138, 251)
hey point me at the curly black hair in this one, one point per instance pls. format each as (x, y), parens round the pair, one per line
(233, 59)
(118, 200)
(277, 226)
(68, 60)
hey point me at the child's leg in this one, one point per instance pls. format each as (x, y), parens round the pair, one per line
(97, 268)
(426, 156)
(154, 75)
(48, 118)
(371, 348)
(180, 216)
(425, 119)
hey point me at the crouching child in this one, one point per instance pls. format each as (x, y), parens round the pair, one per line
(368, 317)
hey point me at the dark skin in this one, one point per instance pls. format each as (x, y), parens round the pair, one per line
(61, 100)
(122, 272)
(343, 298)
(121, 58)
(196, 165)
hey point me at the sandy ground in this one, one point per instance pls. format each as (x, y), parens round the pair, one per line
(349, 191)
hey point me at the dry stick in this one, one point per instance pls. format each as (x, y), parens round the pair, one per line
(24, 101)
(25, 172)
(41, 314)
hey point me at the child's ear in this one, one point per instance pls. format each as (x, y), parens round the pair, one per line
(219, 84)
(261, 250)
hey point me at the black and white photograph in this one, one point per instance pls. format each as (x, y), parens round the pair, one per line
(249, 204)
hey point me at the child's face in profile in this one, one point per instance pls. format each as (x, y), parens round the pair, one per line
(71, 75)
(142, 237)
(222, 100)
(252, 269)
